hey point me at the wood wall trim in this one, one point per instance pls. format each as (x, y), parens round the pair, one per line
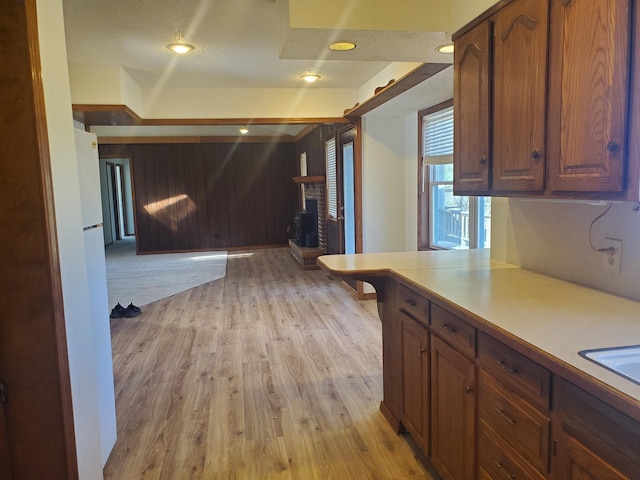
(310, 179)
(241, 121)
(392, 90)
(105, 115)
(193, 139)
(122, 115)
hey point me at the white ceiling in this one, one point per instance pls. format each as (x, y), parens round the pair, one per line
(238, 44)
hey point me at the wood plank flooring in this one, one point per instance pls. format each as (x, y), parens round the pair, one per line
(269, 373)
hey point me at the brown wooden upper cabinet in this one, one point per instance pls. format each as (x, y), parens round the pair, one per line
(588, 94)
(471, 106)
(542, 101)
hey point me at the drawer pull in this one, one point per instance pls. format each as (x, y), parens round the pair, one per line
(509, 370)
(448, 328)
(500, 411)
(411, 302)
(501, 468)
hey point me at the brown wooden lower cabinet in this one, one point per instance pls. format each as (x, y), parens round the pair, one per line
(491, 416)
(453, 412)
(595, 441)
(415, 379)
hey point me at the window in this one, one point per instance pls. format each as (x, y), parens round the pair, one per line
(303, 173)
(332, 181)
(446, 221)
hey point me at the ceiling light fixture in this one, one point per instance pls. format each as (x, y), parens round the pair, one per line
(447, 48)
(243, 130)
(342, 46)
(180, 48)
(310, 77)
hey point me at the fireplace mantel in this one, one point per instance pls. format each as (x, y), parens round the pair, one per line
(309, 179)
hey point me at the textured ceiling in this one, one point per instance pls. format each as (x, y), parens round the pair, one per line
(239, 43)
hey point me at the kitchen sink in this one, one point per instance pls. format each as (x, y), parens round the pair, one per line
(625, 361)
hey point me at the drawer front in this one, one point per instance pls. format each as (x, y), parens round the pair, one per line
(453, 330)
(518, 423)
(414, 304)
(514, 370)
(494, 463)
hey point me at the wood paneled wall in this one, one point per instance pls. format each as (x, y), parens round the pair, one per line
(313, 144)
(211, 196)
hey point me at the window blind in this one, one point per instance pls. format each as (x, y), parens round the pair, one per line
(437, 137)
(332, 188)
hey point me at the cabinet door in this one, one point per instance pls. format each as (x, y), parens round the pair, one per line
(588, 95)
(471, 109)
(453, 412)
(580, 463)
(415, 380)
(520, 72)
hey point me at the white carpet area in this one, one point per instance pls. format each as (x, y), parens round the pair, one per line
(143, 279)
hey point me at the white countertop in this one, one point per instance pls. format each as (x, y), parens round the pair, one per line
(552, 316)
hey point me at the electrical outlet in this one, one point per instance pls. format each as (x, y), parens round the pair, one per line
(612, 263)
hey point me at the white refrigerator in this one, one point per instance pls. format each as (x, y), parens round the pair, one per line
(91, 204)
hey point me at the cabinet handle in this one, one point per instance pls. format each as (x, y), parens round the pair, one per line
(536, 154)
(411, 302)
(505, 416)
(501, 468)
(448, 328)
(423, 350)
(510, 371)
(468, 389)
(612, 146)
(483, 159)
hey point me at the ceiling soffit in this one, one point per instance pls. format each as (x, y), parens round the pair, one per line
(402, 30)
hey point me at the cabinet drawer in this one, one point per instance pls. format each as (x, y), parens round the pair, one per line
(453, 330)
(494, 463)
(413, 303)
(521, 425)
(516, 371)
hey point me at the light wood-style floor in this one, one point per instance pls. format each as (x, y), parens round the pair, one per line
(269, 373)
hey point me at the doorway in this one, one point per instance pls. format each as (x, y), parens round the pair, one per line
(344, 194)
(344, 230)
(117, 199)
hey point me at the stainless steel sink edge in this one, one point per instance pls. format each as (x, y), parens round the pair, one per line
(585, 354)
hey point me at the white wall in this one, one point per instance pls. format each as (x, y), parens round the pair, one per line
(463, 11)
(552, 237)
(73, 269)
(383, 184)
(247, 102)
(411, 182)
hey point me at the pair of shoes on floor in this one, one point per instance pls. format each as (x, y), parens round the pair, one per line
(119, 311)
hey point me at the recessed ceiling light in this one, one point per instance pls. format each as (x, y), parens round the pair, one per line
(243, 130)
(342, 46)
(447, 48)
(310, 77)
(180, 48)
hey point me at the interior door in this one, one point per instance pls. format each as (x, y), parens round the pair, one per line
(342, 176)
(335, 224)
